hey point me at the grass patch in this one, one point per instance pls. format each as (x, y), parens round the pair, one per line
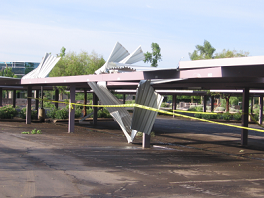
(34, 131)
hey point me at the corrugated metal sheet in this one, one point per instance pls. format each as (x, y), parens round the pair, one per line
(119, 120)
(44, 68)
(134, 57)
(120, 57)
(143, 119)
(123, 117)
(118, 53)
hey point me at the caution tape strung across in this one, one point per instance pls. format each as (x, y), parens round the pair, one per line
(158, 110)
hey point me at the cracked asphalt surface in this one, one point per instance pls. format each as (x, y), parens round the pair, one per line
(187, 159)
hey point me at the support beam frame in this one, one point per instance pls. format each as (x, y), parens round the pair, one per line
(204, 103)
(95, 102)
(145, 141)
(260, 109)
(245, 106)
(28, 113)
(71, 111)
(174, 104)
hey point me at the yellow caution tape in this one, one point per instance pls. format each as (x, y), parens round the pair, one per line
(156, 110)
(212, 113)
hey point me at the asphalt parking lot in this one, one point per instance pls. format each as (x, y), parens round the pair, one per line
(186, 159)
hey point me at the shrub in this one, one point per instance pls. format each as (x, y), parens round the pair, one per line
(130, 101)
(198, 115)
(103, 113)
(88, 111)
(22, 113)
(256, 110)
(206, 116)
(192, 109)
(62, 114)
(214, 116)
(48, 104)
(199, 108)
(237, 116)
(164, 104)
(256, 117)
(227, 116)
(52, 112)
(78, 111)
(7, 112)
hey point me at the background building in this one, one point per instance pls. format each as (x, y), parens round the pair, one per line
(19, 68)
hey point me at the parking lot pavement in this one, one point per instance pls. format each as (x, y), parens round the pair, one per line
(187, 159)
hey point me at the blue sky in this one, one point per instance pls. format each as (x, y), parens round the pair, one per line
(31, 28)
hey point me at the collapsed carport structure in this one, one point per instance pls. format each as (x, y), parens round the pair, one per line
(232, 73)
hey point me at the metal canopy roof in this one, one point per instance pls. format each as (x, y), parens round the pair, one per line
(215, 77)
(237, 61)
(211, 78)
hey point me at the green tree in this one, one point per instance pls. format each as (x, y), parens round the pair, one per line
(230, 54)
(72, 64)
(153, 57)
(204, 51)
(62, 52)
(8, 72)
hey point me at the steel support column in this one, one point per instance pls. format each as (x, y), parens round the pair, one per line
(28, 113)
(14, 98)
(41, 93)
(260, 109)
(204, 104)
(85, 102)
(71, 111)
(37, 101)
(145, 141)
(252, 104)
(1, 97)
(212, 103)
(95, 102)
(174, 104)
(245, 106)
(57, 98)
(124, 98)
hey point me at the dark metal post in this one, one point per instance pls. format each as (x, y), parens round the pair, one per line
(14, 98)
(28, 113)
(71, 111)
(245, 106)
(85, 102)
(260, 109)
(41, 93)
(212, 103)
(36, 100)
(1, 97)
(145, 141)
(95, 102)
(124, 98)
(56, 98)
(174, 104)
(204, 103)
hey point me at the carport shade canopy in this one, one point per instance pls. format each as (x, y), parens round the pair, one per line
(243, 73)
